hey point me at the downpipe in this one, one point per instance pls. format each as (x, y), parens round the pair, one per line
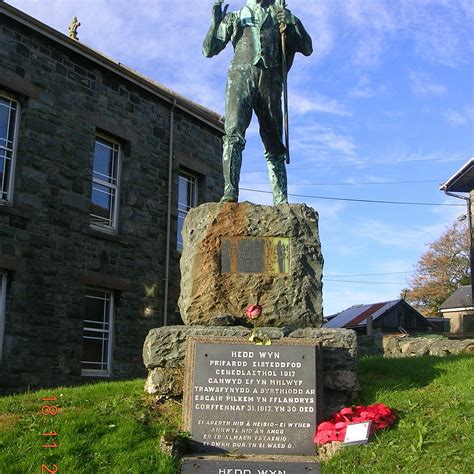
(470, 211)
(168, 216)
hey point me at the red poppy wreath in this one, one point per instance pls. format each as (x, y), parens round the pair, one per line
(334, 429)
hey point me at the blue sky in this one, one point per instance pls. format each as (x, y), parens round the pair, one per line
(382, 110)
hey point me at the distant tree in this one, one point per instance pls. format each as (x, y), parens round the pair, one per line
(441, 270)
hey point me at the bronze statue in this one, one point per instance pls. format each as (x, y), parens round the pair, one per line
(255, 82)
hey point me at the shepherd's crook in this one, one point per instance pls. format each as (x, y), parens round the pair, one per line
(285, 85)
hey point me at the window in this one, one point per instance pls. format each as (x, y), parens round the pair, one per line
(105, 183)
(98, 323)
(8, 131)
(187, 198)
(3, 291)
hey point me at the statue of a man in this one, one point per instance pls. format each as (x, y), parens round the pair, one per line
(255, 82)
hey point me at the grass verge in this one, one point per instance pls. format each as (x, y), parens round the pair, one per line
(103, 427)
(434, 398)
(115, 428)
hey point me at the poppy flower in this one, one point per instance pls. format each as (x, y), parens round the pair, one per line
(253, 311)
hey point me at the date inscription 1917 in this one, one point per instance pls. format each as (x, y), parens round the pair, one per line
(270, 255)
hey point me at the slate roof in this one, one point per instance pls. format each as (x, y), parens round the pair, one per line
(357, 315)
(204, 114)
(461, 298)
(462, 181)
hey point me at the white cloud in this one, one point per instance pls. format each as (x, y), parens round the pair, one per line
(448, 214)
(374, 22)
(313, 138)
(422, 85)
(441, 30)
(460, 118)
(314, 102)
(456, 118)
(396, 236)
(319, 22)
(365, 89)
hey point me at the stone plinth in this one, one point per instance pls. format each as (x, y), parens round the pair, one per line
(235, 254)
(165, 348)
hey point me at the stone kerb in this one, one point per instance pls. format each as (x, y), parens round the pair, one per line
(236, 254)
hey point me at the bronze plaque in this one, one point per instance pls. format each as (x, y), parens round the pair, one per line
(270, 255)
(240, 397)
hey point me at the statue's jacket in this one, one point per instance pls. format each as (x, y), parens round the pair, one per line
(256, 39)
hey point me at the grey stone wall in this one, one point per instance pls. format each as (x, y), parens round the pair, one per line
(370, 345)
(46, 241)
(397, 346)
(412, 346)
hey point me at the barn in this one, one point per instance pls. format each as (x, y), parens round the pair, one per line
(389, 316)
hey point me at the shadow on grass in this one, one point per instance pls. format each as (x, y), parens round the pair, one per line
(64, 385)
(376, 373)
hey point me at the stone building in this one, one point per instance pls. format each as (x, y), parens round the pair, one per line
(459, 309)
(98, 167)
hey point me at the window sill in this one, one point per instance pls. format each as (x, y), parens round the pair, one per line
(106, 235)
(7, 208)
(95, 373)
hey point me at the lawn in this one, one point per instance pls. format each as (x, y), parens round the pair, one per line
(104, 427)
(115, 428)
(434, 398)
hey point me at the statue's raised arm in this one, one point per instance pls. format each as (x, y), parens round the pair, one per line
(219, 32)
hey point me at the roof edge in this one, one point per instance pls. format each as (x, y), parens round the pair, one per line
(206, 115)
(450, 310)
(452, 180)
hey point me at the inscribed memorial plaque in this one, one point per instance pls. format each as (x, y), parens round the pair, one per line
(244, 398)
(269, 255)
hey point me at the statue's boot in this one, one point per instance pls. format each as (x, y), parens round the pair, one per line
(278, 179)
(231, 164)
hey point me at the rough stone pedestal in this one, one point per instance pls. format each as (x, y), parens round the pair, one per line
(217, 286)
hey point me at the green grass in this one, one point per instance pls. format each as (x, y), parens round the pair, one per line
(434, 398)
(115, 428)
(104, 427)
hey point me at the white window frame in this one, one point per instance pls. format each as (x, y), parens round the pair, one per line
(106, 356)
(11, 149)
(3, 299)
(111, 224)
(184, 208)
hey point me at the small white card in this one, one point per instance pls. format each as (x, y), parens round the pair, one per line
(357, 433)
